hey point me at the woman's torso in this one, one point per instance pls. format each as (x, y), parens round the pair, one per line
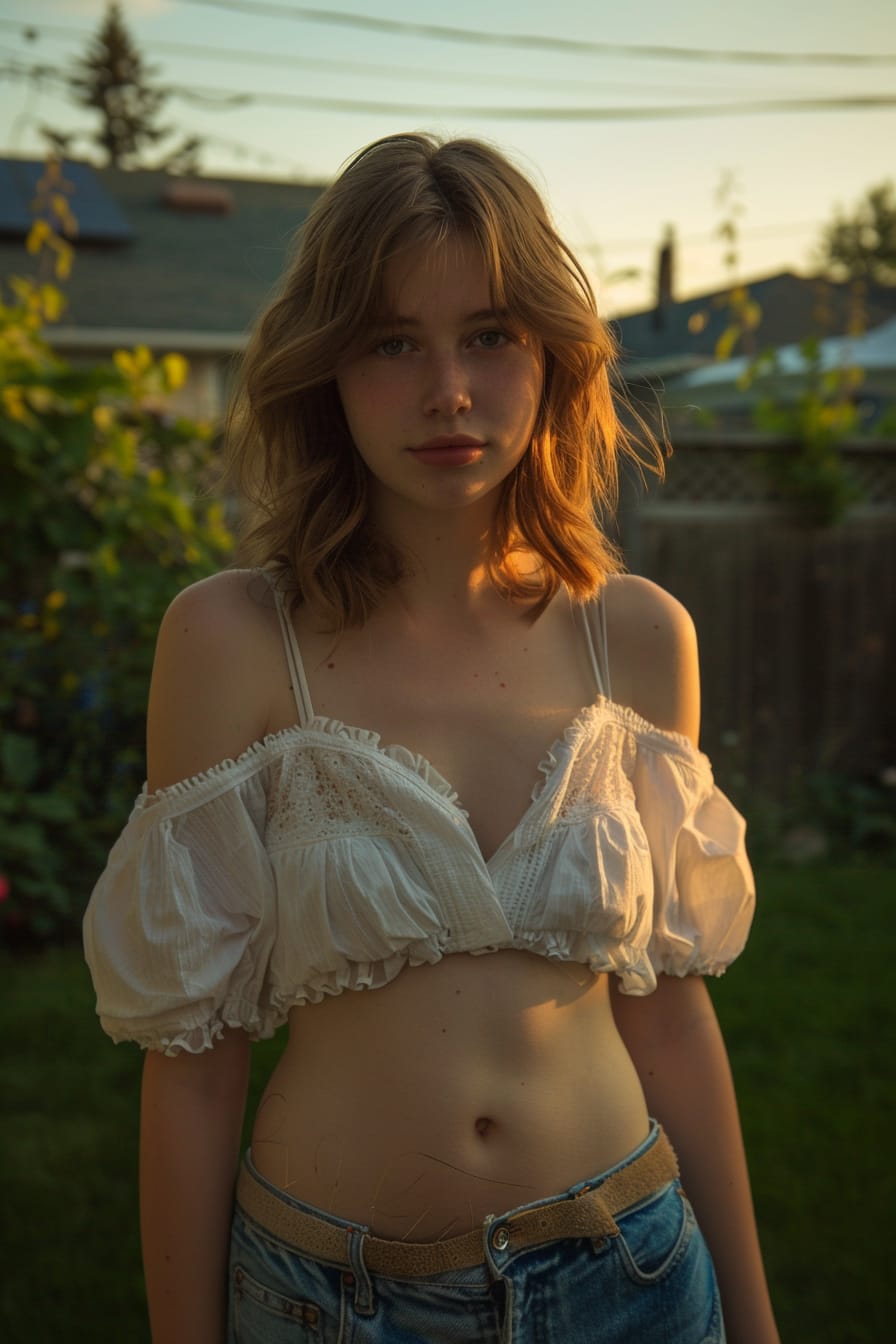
(480, 1082)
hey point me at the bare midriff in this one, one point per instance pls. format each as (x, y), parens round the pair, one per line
(460, 1089)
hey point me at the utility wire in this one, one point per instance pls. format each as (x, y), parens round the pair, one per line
(542, 42)
(854, 103)
(364, 69)
(218, 99)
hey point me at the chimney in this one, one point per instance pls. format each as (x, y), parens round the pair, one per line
(665, 280)
(191, 197)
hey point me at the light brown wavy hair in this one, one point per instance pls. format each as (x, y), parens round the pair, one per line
(289, 453)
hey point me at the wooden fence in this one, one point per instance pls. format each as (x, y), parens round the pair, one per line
(797, 626)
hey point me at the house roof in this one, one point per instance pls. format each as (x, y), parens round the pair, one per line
(679, 336)
(202, 262)
(873, 351)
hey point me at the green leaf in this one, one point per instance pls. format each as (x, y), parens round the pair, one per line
(51, 807)
(24, 838)
(727, 341)
(19, 759)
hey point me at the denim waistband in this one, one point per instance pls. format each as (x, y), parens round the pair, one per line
(587, 1209)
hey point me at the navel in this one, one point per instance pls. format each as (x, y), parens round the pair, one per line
(483, 1125)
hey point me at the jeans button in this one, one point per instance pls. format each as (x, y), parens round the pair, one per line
(501, 1239)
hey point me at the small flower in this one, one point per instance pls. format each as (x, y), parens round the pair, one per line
(103, 418)
(4, 887)
(888, 777)
(55, 600)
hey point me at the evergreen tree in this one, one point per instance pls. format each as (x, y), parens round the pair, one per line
(862, 246)
(113, 79)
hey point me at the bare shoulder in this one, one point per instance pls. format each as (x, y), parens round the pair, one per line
(653, 654)
(215, 666)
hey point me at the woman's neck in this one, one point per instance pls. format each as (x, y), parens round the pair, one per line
(446, 555)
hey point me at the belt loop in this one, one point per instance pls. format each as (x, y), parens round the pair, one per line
(502, 1285)
(364, 1301)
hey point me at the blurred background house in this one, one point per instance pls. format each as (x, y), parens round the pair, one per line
(173, 263)
(677, 346)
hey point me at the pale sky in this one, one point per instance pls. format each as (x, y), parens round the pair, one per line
(613, 185)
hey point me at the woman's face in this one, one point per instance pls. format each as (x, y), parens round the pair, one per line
(441, 396)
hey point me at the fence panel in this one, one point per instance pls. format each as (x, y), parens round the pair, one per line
(797, 626)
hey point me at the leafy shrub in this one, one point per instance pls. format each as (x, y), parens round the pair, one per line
(823, 818)
(813, 478)
(102, 520)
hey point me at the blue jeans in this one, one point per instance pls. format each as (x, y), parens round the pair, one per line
(652, 1284)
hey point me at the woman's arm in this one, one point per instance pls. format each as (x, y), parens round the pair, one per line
(673, 1037)
(211, 681)
(190, 1123)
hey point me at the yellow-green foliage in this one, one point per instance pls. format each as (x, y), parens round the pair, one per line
(102, 521)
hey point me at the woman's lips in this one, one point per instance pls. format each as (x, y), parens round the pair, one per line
(449, 450)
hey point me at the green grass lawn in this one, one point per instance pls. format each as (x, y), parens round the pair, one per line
(809, 1017)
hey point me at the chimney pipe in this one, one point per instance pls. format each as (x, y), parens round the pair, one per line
(665, 279)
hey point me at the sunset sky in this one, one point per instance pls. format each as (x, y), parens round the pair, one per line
(614, 183)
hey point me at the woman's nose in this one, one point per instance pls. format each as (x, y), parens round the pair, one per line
(447, 391)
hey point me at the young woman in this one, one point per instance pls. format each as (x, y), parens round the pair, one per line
(423, 781)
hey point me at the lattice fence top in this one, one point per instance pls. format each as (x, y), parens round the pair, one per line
(733, 472)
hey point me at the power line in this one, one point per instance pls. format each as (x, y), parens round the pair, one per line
(226, 99)
(542, 42)
(854, 103)
(364, 69)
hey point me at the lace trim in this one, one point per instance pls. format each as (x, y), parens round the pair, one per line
(232, 771)
(403, 756)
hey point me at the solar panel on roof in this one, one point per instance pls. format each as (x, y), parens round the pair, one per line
(100, 219)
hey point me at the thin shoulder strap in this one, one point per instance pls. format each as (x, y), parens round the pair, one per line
(594, 614)
(297, 676)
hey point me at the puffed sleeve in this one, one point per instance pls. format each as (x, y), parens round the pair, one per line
(179, 929)
(704, 895)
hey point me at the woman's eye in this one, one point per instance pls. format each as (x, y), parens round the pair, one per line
(391, 346)
(492, 340)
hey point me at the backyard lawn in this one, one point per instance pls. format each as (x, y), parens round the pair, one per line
(809, 1017)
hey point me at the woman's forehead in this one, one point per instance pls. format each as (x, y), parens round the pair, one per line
(453, 271)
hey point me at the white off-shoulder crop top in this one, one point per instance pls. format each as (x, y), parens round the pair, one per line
(322, 860)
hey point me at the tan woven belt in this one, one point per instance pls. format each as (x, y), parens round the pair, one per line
(590, 1214)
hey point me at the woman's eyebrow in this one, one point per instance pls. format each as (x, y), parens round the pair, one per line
(481, 315)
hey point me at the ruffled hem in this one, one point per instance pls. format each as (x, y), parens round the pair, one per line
(357, 975)
(632, 966)
(700, 966)
(172, 1038)
(228, 772)
(635, 969)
